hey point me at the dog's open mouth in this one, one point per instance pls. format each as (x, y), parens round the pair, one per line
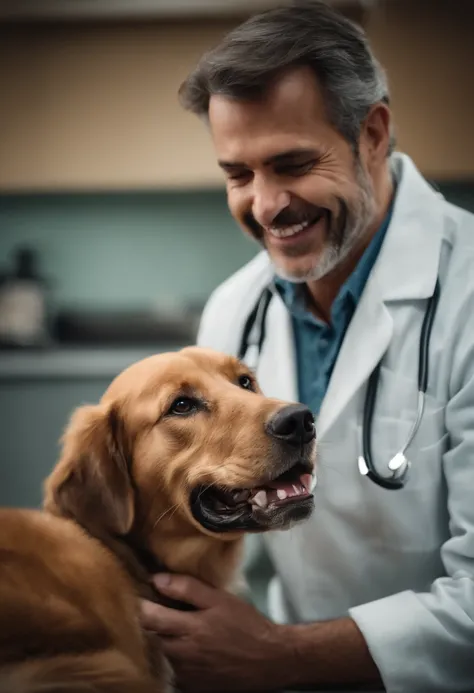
(291, 486)
(274, 504)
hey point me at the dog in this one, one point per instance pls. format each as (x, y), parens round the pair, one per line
(182, 456)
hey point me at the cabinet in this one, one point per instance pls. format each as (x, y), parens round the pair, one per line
(94, 105)
(425, 47)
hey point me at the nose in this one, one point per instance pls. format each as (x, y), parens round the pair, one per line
(293, 424)
(268, 201)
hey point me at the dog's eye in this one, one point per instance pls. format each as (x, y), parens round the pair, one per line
(246, 382)
(183, 406)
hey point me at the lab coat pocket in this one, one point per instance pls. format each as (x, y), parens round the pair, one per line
(390, 434)
(411, 519)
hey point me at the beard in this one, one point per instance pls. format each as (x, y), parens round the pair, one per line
(344, 229)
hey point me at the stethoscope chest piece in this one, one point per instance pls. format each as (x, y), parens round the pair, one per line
(399, 465)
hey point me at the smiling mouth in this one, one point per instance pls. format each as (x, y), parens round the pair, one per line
(293, 231)
(277, 503)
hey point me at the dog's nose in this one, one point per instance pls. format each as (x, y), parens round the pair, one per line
(293, 424)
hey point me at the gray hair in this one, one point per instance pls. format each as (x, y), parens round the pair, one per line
(305, 33)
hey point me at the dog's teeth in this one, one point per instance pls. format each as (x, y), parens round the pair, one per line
(260, 499)
(282, 494)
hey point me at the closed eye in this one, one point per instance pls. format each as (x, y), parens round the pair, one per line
(296, 169)
(239, 176)
(236, 172)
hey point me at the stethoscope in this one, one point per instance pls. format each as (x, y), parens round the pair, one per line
(251, 343)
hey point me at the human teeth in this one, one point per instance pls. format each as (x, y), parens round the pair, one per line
(260, 499)
(288, 230)
(282, 494)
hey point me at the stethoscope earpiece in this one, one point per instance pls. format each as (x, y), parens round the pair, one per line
(398, 463)
(362, 464)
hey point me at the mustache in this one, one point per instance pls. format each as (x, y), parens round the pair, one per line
(287, 217)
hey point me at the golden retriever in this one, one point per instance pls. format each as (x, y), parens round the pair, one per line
(180, 458)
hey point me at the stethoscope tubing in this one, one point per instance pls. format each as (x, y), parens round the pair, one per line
(253, 337)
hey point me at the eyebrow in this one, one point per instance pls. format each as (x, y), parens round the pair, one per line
(281, 158)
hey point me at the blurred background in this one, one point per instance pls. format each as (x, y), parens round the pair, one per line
(113, 220)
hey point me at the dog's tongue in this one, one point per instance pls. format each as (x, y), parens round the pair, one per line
(292, 488)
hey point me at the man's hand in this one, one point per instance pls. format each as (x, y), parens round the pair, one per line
(226, 645)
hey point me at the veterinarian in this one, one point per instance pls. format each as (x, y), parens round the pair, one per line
(376, 590)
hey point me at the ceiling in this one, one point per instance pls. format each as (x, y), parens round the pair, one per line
(26, 10)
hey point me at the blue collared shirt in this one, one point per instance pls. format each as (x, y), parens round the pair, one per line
(317, 343)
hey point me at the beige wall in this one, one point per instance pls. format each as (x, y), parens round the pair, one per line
(426, 48)
(95, 106)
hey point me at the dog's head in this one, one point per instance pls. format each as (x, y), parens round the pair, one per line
(187, 439)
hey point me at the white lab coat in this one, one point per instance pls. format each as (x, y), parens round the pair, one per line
(401, 563)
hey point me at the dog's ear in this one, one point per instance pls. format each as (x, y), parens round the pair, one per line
(91, 482)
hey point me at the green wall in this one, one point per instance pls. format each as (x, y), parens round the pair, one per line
(127, 249)
(131, 249)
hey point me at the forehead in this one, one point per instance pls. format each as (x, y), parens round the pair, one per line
(292, 110)
(166, 373)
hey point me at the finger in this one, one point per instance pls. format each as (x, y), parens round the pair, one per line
(164, 621)
(187, 589)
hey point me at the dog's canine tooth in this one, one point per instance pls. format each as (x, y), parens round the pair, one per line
(260, 499)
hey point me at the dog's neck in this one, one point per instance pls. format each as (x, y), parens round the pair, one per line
(140, 564)
(183, 547)
(211, 560)
(177, 549)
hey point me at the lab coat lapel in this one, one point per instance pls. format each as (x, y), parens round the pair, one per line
(406, 269)
(366, 341)
(276, 371)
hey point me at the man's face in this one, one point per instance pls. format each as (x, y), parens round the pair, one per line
(293, 182)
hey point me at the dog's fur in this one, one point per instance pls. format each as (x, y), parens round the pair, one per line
(116, 509)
